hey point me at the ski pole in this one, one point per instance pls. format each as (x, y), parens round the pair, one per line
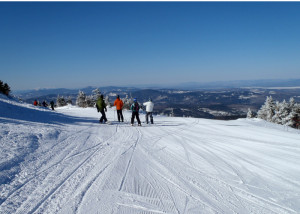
(115, 115)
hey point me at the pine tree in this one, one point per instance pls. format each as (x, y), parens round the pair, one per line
(266, 112)
(276, 118)
(250, 113)
(90, 102)
(94, 97)
(281, 113)
(60, 101)
(107, 101)
(172, 112)
(285, 113)
(292, 103)
(81, 99)
(96, 94)
(1, 87)
(69, 100)
(6, 89)
(127, 102)
(293, 119)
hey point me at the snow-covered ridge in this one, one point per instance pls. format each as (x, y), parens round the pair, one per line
(215, 113)
(179, 92)
(66, 162)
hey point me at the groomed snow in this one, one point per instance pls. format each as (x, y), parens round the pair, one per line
(66, 162)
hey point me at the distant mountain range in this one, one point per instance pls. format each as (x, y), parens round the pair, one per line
(218, 100)
(183, 86)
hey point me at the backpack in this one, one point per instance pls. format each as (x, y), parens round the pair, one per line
(135, 107)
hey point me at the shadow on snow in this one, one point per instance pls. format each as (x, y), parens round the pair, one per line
(37, 115)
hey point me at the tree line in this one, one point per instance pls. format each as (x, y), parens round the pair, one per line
(4, 88)
(84, 100)
(284, 113)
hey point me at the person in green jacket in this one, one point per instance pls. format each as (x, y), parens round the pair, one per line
(101, 106)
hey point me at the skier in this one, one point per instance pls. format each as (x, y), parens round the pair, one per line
(44, 103)
(149, 109)
(35, 103)
(52, 105)
(135, 107)
(119, 105)
(101, 106)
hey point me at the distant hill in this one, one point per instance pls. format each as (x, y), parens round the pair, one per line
(240, 84)
(29, 94)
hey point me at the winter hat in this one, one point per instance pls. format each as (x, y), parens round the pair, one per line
(118, 96)
(150, 99)
(134, 99)
(101, 96)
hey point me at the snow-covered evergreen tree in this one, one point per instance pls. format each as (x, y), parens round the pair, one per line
(266, 112)
(127, 102)
(81, 99)
(172, 113)
(275, 118)
(90, 102)
(281, 113)
(285, 113)
(107, 101)
(250, 114)
(96, 94)
(293, 119)
(60, 101)
(292, 103)
(69, 100)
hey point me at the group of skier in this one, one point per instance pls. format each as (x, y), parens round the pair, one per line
(44, 104)
(101, 107)
(135, 107)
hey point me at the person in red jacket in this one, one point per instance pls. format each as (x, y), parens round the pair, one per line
(35, 103)
(119, 105)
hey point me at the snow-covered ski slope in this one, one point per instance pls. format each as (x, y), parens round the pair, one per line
(66, 162)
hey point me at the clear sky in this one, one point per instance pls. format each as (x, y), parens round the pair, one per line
(78, 44)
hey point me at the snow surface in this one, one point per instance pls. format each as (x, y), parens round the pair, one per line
(66, 162)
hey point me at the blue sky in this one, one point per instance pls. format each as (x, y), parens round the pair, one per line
(78, 44)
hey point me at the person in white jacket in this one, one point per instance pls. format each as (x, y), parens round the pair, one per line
(149, 109)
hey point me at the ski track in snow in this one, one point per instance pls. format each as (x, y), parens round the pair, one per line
(72, 164)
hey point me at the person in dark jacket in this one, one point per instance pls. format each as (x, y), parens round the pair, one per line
(101, 106)
(135, 107)
(44, 103)
(52, 104)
